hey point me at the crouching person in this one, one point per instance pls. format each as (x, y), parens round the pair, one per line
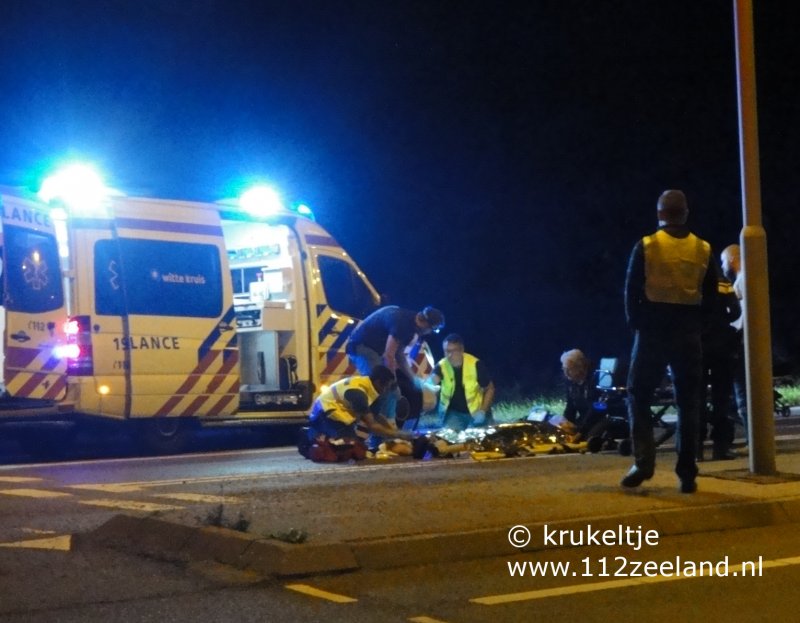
(466, 387)
(347, 413)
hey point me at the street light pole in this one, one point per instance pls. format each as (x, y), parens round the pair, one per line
(757, 334)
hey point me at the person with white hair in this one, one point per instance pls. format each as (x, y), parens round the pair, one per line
(582, 395)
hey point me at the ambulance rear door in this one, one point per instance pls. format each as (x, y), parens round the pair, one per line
(33, 301)
(342, 297)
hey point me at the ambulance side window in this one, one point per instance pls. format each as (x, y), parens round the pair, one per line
(157, 278)
(33, 270)
(344, 288)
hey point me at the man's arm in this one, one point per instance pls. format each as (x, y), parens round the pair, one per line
(486, 383)
(710, 287)
(634, 285)
(379, 425)
(488, 397)
(390, 352)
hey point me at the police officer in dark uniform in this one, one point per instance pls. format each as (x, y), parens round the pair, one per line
(669, 287)
(720, 346)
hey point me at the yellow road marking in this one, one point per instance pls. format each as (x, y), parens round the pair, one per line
(315, 592)
(199, 497)
(424, 619)
(131, 505)
(18, 479)
(35, 493)
(560, 591)
(61, 543)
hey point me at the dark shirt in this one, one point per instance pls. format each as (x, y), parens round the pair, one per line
(459, 400)
(644, 314)
(719, 337)
(580, 400)
(376, 328)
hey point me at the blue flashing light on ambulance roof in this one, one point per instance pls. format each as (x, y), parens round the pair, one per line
(78, 186)
(261, 201)
(304, 210)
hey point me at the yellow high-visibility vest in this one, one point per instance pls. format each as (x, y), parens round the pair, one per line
(472, 391)
(674, 268)
(337, 406)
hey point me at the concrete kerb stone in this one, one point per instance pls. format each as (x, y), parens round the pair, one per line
(219, 544)
(162, 539)
(270, 557)
(166, 540)
(119, 532)
(721, 517)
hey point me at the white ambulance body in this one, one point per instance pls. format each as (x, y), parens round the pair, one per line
(170, 314)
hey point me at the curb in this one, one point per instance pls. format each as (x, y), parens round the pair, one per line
(165, 540)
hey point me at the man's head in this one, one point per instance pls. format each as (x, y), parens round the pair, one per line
(429, 320)
(731, 258)
(672, 208)
(453, 346)
(382, 378)
(575, 365)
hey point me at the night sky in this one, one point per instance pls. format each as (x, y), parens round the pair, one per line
(497, 160)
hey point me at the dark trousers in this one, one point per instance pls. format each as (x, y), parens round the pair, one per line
(718, 367)
(652, 352)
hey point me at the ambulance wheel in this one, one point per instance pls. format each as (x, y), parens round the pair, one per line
(164, 435)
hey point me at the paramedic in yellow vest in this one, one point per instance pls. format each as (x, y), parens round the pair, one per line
(352, 407)
(670, 289)
(466, 389)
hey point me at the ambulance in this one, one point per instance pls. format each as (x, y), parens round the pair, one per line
(165, 316)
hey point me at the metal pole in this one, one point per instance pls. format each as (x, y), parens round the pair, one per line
(758, 348)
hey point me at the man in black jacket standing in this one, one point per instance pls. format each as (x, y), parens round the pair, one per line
(669, 287)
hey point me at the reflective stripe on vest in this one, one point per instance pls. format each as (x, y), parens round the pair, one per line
(469, 377)
(674, 268)
(337, 407)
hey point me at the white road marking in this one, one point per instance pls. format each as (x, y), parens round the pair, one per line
(113, 487)
(61, 543)
(315, 592)
(199, 497)
(18, 479)
(35, 493)
(560, 591)
(131, 505)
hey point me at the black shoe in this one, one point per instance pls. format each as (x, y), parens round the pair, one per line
(688, 486)
(724, 455)
(635, 477)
